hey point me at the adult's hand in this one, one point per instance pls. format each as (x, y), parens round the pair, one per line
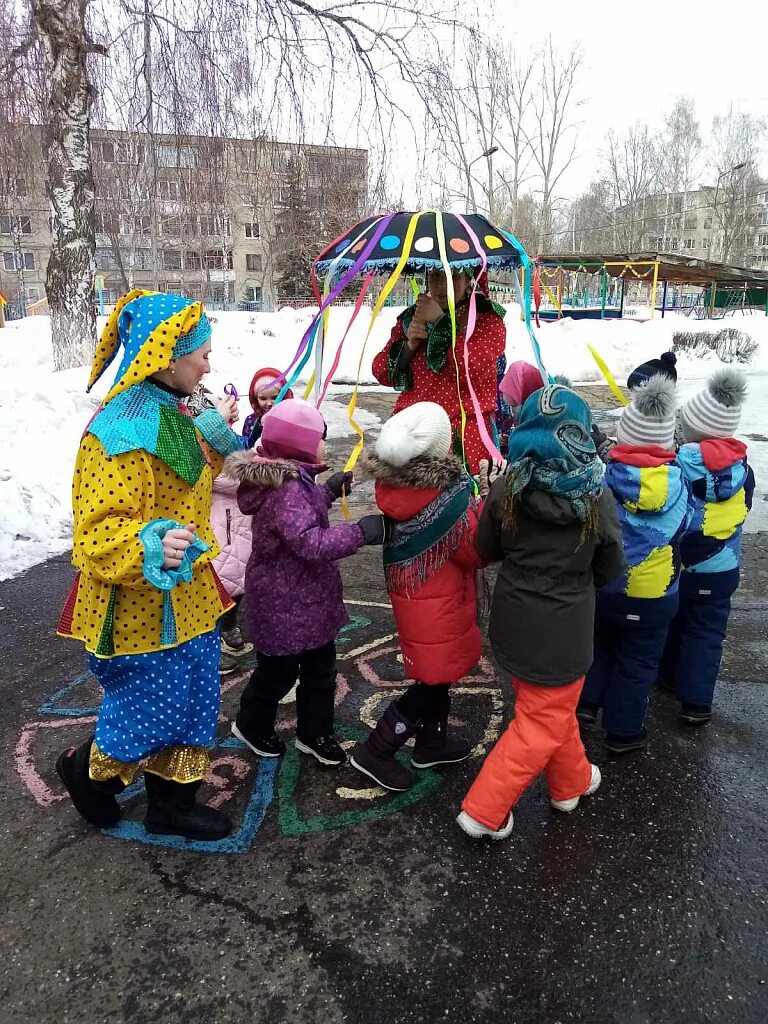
(175, 543)
(227, 409)
(417, 333)
(428, 310)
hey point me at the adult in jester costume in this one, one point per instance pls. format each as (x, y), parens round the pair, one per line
(146, 600)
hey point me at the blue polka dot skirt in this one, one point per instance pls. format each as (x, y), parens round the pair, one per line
(153, 701)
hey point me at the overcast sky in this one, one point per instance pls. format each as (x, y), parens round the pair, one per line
(639, 57)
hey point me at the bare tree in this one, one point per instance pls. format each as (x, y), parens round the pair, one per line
(553, 137)
(516, 80)
(737, 139)
(679, 147)
(631, 173)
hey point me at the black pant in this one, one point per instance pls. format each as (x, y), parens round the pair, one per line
(273, 679)
(229, 619)
(425, 702)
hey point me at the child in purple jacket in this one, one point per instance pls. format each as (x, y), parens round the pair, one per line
(293, 596)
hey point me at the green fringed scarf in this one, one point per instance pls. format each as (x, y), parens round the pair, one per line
(418, 548)
(439, 342)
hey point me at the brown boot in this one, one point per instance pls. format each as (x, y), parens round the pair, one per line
(375, 757)
(434, 746)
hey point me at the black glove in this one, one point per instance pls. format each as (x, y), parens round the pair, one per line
(339, 483)
(373, 529)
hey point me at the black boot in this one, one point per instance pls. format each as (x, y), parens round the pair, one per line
(375, 757)
(435, 746)
(94, 801)
(172, 811)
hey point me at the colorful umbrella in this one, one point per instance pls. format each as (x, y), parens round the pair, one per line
(470, 241)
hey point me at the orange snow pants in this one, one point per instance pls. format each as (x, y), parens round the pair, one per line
(542, 737)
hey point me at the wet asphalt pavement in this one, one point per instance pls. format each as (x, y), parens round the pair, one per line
(334, 902)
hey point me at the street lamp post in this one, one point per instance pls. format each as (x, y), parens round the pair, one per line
(487, 155)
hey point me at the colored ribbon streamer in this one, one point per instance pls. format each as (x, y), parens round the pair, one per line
(393, 279)
(311, 331)
(337, 357)
(485, 436)
(608, 375)
(450, 294)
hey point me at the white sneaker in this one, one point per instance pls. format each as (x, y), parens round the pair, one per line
(479, 831)
(573, 803)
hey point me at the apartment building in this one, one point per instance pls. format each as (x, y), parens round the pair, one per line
(212, 218)
(702, 223)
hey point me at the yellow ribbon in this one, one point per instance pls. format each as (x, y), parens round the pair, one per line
(393, 279)
(608, 375)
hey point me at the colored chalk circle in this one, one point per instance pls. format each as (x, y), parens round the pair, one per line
(424, 244)
(459, 245)
(389, 242)
(493, 242)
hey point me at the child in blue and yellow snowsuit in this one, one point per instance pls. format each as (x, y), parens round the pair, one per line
(722, 483)
(634, 611)
(146, 600)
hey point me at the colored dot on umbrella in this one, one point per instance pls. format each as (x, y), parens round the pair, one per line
(424, 244)
(390, 242)
(459, 245)
(360, 245)
(493, 242)
(342, 245)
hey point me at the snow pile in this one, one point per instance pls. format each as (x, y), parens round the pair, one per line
(43, 414)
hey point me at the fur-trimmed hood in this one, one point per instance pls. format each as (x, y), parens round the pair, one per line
(423, 473)
(247, 468)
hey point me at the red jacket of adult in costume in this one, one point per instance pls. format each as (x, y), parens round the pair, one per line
(437, 623)
(423, 384)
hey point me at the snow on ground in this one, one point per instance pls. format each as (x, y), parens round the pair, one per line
(43, 413)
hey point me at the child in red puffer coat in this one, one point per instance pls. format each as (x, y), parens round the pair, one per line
(430, 565)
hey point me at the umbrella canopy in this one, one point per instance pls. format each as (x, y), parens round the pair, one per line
(424, 250)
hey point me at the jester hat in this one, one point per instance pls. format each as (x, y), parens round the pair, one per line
(152, 328)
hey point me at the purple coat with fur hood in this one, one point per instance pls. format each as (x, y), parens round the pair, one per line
(293, 594)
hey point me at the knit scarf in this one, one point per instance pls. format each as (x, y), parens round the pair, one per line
(552, 450)
(418, 548)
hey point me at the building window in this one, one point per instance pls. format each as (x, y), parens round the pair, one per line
(33, 294)
(690, 243)
(142, 259)
(253, 262)
(107, 224)
(691, 222)
(142, 225)
(705, 243)
(252, 294)
(120, 153)
(170, 227)
(171, 259)
(215, 227)
(170, 189)
(11, 225)
(763, 218)
(252, 230)
(25, 261)
(707, 222)
(105, 259)
(762, 197)
(217, 260)
(762, 238)
(192, 261)
(176, 156)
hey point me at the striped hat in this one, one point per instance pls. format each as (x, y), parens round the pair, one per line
(650, 416)
(715, 411)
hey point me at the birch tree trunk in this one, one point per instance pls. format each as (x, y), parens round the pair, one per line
(66, 146)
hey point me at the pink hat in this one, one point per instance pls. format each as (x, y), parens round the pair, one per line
(519, 382)
(292, 430)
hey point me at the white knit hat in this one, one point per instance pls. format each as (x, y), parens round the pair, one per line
(715, 411)
(650, 416)
(423, 429)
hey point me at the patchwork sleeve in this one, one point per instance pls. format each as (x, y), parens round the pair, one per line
(218, 438)
(109, 495)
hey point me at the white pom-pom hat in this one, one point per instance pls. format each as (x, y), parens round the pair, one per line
(715, 411)
(650, 416)
(423, 430)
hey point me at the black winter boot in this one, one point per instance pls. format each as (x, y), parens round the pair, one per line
(434, 746)
(375, 757)
(172, 811)
(94, 801)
